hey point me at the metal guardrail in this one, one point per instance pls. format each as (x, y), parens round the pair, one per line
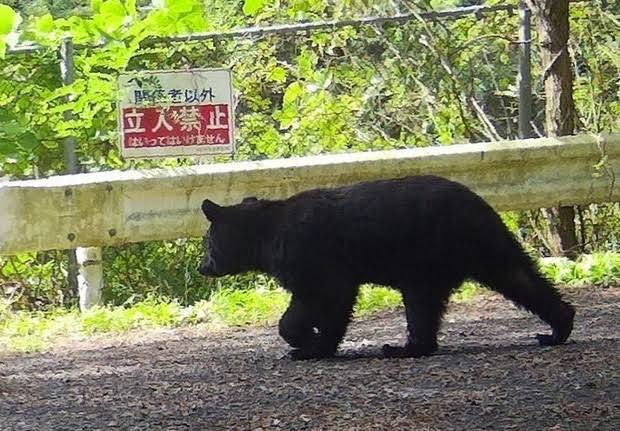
(109, 208)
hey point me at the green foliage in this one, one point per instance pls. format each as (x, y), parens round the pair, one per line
(35, 281)
(252, 7)
(600, 269)
(135, 272)
(352, 89)
(58, 8)
(406, 85)
(168, 269)
(596, 61)
(8, 21)
(511, 220)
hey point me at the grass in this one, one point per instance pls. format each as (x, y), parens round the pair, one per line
(36, 331)
(248, 307)
(597, 269)
(375, 298)
(147, 314)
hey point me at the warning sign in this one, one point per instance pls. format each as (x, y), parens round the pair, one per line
(176, 113)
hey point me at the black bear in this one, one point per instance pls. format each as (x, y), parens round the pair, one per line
(422, 235)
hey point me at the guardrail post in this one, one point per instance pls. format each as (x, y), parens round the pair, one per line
(90, 276)
(524, 77)
(85, 272)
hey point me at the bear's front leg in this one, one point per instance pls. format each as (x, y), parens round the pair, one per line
(314, 342)
(297, 326)
(321, 323)
(424, 311)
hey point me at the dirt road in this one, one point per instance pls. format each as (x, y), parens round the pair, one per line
(488, 374)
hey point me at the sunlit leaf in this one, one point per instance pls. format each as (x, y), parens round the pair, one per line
(7, 19)
(130, 6)
(293, 92)
(252, 7)
(277, 74)
(45, 23)
(113, 8)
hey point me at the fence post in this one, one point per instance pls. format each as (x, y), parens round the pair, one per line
(85, 272)
(524, 77)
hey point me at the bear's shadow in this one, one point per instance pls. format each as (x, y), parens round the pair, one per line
(374, 352)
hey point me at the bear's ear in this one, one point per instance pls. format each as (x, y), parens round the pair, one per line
(211, 210)
(248, 200)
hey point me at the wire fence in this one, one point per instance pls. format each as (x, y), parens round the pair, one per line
(255, 31)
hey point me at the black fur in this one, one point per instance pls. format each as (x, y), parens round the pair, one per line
(422, 235)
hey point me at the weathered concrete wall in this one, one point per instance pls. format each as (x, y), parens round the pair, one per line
(117, 207)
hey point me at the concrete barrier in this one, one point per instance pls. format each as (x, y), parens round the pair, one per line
(109, 208)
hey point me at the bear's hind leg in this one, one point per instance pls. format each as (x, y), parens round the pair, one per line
(424, 309)
(527, 288)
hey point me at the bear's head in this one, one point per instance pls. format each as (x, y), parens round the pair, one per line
(231, 241)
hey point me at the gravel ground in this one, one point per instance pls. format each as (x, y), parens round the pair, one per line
(488, 374)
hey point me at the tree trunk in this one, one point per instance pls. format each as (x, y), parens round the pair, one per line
(553, 30)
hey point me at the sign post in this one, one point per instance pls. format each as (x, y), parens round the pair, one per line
(176, 113)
